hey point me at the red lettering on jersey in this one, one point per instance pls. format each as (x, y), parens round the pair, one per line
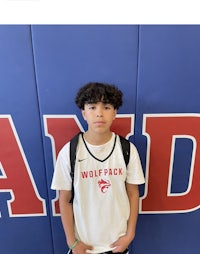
(62, 128)
(15, 175)
(161, 131)
(84, 174)
(100, 172)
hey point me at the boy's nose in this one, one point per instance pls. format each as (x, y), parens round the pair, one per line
(99, 112)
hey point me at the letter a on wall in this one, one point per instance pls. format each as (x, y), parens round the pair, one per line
(15, 174)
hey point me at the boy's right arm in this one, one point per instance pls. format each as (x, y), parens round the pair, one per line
(67, 217)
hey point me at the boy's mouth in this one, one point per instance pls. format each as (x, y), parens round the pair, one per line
(99, 122)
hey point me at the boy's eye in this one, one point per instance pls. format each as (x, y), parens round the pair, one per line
(92, 107)
(107, 107)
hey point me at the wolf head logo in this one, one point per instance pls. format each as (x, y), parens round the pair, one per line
(104, 185)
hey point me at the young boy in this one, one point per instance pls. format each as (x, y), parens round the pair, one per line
(103, 216)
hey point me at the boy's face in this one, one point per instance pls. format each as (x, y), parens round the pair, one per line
(99, 116)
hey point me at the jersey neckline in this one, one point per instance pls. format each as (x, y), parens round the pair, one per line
(93, 154)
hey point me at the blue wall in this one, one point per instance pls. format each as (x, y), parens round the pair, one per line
(157, 68)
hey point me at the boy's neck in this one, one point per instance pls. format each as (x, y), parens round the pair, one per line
(97, 139)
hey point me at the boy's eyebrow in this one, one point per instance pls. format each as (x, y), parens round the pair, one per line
(95, 102)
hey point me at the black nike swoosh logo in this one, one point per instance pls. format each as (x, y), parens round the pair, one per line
(79, 160)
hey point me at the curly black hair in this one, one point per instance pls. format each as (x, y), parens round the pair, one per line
(94, 92)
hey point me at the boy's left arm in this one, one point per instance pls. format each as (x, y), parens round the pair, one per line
(123, 242)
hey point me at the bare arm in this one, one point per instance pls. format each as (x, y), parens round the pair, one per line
(66, 210)
(123, 242)
(67, 217)
(133, 195)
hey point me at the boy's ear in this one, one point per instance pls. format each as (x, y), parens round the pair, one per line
(83, 114)
(114, 114)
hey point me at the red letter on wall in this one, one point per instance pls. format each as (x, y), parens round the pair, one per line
(15, 174)
(61, 128)
(161, 132)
